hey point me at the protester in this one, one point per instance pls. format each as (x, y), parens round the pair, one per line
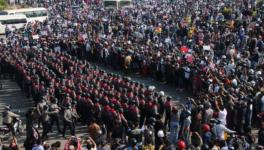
(8, 117)
(55, 146)
(13, 144)
(2, 146)
(212, 49)
(68, 120)
(260, 135)
(38, 146)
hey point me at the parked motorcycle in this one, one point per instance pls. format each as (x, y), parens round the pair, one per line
(17, 125)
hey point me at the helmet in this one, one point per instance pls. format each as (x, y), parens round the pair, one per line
(181, 145)
(68, 106)
(234, 82)
(160, 134)
(206, 128)
(162, 93)
(152, 120)
(7, 107)
(258, 73)
(148, 132)
(251, 71)
(133, 141)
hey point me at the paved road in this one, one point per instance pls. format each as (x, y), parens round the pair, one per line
(11, 94)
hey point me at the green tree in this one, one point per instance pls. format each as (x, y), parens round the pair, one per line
(3, 4)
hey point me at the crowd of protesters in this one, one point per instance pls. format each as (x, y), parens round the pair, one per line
(213, 49)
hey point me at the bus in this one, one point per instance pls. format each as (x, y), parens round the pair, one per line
(33, 14)
(124, 3)
(116, 4)
(12, 22)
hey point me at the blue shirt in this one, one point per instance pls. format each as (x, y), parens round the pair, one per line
(38, 147)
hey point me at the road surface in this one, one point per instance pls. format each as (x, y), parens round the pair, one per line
(12, 95)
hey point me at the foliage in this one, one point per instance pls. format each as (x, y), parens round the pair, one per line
(3, 4)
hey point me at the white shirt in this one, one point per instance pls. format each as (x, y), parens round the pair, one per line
(187, 72)
(262, 104)
(219, 131)
(168, 40)
(210, 88)
(87, 47)
(222, 116)
(187, 123)
(208, 115)
(39, 147)
(229, 68)
(216, 88)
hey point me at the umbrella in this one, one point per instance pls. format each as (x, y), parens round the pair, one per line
(184, 49)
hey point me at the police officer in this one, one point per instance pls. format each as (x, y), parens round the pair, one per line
(45, 121)
(8, 116)
(54, 116)
(40, 107)
(168, 108)
(69, 120)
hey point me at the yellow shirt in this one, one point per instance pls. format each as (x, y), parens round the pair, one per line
(158, 30)
(128, 60)
(148, 147)
(191, 31)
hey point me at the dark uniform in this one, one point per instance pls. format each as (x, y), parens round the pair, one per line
(69, 120)
(54, 116)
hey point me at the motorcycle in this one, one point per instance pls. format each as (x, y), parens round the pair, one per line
(17, 125)
(237, 142)
(1, 85)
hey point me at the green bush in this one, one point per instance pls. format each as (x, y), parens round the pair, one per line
(3, 4)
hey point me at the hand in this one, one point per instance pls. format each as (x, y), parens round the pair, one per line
(259, 115)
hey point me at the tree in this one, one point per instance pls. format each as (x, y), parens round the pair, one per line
(3, 4)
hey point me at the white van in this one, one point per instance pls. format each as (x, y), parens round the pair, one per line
(12, 22)
(116, 4)
(33, 14)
